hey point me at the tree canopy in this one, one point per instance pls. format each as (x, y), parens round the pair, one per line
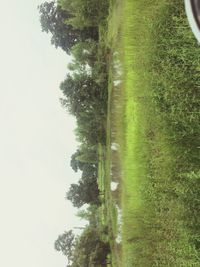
(88, 249)
(85, 12)
(81, 93)
(85, 192)
(66, 244)
(54, 19)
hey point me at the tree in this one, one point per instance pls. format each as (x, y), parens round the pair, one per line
(84, 99)
(90, 131)
(99, 254)
(75, 163)
(84, 56)
(86, 12)
(85, 53)
(85, 192)
(85, 250)
(90, 214)
(89, 154)
(82, 162)
(53, 19)
(90, 250)
(66, 244)
(84, 158)
(82, 94)
(89, 171)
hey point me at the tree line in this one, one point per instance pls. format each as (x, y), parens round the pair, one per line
(74, 27)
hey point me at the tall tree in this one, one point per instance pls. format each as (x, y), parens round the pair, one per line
(53, 19)
(75, 163)
(89, 171)
(86, 12)
(90, 214)
(82, 94)
(89, 154)
(90, 250)
(81, 161)
(85, 53)
(66, 244)
(85, 192)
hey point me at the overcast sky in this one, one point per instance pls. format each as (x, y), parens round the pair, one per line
(36, 141)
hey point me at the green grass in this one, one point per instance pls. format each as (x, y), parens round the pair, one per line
(155, 116)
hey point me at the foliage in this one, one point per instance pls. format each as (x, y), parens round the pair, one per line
(88, 154)
(85, 12)
(53, 19)
(90, 214)
(158, 133)
(73, 26)
(84, 250)
(84, 99)
(82, 94)
(84, 54)
(90, 249)
(85, 192)
(66, 244)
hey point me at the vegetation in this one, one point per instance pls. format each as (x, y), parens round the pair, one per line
(74, 27)
(54, 20)
(133, 87)
(157, 132)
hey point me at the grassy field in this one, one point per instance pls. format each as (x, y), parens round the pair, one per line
(154, 116)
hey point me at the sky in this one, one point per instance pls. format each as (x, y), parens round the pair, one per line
(36, 141)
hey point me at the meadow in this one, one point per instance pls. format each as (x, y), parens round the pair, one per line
(154, 118)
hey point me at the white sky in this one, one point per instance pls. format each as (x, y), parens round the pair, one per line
(36, 141)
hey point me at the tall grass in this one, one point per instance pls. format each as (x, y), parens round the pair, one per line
(158, 130)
